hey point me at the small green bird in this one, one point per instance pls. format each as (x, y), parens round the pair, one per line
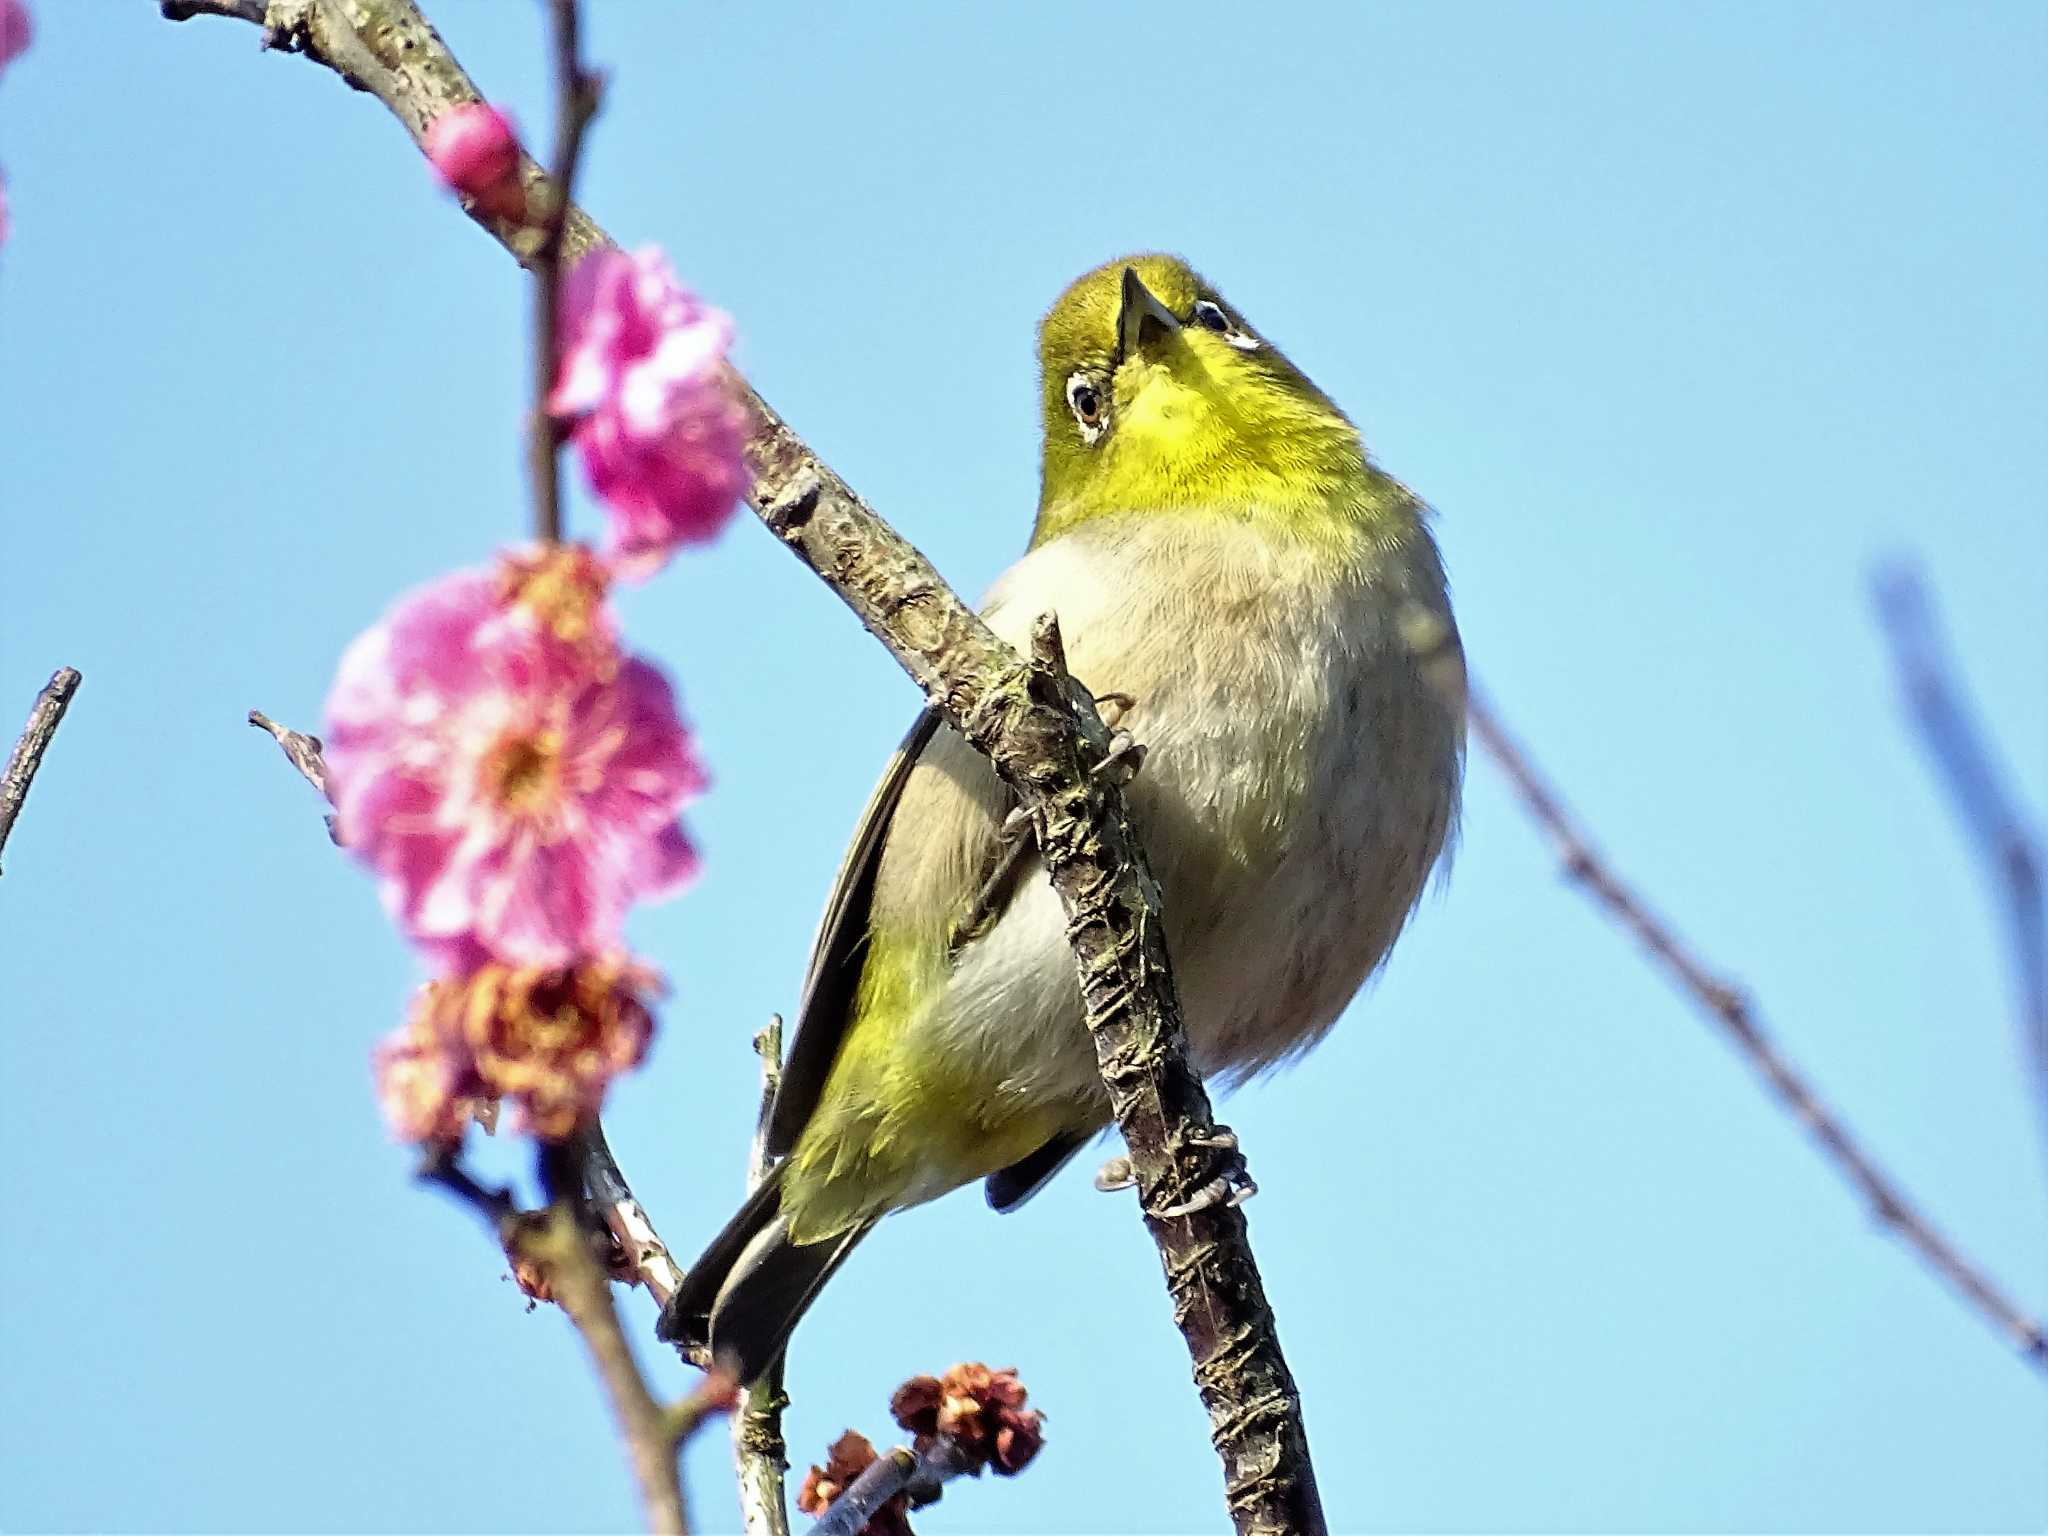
(1224, 556)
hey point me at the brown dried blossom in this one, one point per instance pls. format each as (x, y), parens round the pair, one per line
(850, 1455)
(547, 1040)
(979, 1409)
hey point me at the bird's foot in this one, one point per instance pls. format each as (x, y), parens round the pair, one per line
(1115, 1174)
(1231, 1186)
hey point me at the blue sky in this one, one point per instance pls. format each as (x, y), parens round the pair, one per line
(1681, 321)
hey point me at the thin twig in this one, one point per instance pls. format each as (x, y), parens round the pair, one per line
(647, 1257)
(1040, 731)
(439, 1167)
(304, 754)
(27, 756)
(1979, 793)
(304, 751)
(901, 1470)
(1727, 1007)
(760, 1454)
(577, 96)
(558, 1249)
(561, 1247)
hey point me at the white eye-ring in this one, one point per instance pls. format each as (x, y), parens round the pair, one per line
(1091, 409)
(1209, 315)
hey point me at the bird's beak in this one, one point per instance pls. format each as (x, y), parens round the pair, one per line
(1141, 318)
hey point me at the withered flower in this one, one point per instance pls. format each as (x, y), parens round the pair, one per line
(851, 1454)
(979, 1409)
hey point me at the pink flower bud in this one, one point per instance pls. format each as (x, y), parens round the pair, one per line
(474, 149)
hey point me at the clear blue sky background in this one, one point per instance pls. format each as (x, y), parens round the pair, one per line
(1680, 321)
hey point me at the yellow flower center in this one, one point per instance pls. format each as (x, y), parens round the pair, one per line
(522, 773)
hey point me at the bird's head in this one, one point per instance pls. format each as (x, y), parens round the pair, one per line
(1159, 396)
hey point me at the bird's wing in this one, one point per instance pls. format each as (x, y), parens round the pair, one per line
(827, 1002)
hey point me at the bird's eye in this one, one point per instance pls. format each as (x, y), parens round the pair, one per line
(1085, 400)
(1209, 315)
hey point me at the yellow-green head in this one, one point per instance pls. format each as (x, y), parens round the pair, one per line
(1159, 396)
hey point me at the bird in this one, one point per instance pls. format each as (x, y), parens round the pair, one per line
(1268, 613)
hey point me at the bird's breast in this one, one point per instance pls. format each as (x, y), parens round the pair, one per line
(1301, 779)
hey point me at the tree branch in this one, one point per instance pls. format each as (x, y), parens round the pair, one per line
(647, 1258)
(27, 756)
(582, 1288)
(1039, 729)
(918, 1473)
(577, 95)
(1978, 792)
(759, 1452)
(1727, 1007)
(555, 1245)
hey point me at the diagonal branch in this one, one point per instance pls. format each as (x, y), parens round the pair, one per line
(1978, 791)
(43, 719)
(1730, 1010)
(760, 1456)
(1040, 730)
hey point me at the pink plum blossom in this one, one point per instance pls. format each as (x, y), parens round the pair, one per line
(649, 405)
(512, 777)
(16, 31)
(474, 149)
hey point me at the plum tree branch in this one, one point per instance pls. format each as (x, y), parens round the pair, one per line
(902, 1470)
(577, 96)
(1040, 730)
(556, 1247)
(43, 719)
(760, 1454)
(1730, 1010)
(1978, 791)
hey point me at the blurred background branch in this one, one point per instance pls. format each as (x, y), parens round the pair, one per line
(1979, 794)
(1729, 1009)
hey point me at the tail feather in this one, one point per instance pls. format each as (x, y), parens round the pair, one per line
(745, 1294)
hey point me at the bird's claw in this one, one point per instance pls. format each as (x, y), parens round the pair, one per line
(1121, 762)
(1227, 1190)
(1231, 1187)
